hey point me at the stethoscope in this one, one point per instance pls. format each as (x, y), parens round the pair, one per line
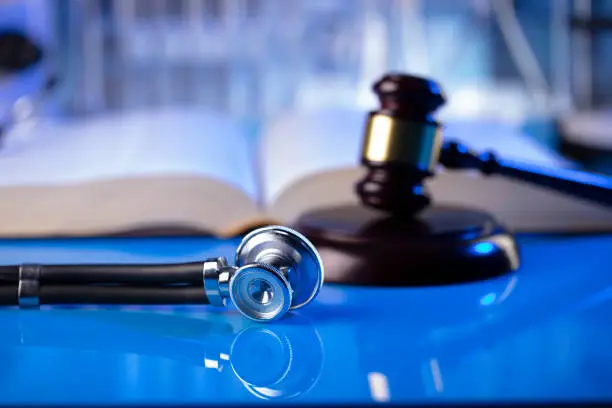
(276, 270)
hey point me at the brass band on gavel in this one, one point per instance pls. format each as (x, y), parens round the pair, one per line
(392, 140)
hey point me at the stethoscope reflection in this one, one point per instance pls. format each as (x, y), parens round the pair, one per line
(273, 362)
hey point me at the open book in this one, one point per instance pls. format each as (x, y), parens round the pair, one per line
(189, 170)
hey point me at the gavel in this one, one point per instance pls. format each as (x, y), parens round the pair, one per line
(403, 145)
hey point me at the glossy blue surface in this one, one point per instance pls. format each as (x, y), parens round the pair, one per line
(542, 334)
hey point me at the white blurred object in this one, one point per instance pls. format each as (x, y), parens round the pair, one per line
(24, 99)
(592, 129)
(502, 102)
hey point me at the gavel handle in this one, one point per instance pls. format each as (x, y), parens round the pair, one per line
(580, 184)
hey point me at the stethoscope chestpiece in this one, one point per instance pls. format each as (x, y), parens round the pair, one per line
(260, 292)
(278, 270)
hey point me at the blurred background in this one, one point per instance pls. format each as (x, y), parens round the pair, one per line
(543, 66)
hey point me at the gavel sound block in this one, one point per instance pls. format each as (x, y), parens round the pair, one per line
(397, 237)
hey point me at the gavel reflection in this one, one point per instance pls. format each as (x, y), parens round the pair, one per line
(403, 146)
(273, 363)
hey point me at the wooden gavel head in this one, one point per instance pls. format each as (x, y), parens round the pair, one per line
(401, 144)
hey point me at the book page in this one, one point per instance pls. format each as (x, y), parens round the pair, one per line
(313, 158)
(298, 145)
(164, 165)
(156, 142)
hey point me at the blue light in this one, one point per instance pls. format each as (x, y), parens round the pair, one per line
(488, 299)
(483, 248)
(433, 87)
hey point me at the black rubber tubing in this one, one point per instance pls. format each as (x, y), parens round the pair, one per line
(189, 273)
(134, 295)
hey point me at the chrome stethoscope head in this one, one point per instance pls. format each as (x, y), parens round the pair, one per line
(277, 269)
